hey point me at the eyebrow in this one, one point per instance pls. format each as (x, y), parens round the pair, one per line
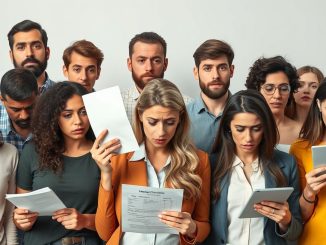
(32, 42)
(253, 126)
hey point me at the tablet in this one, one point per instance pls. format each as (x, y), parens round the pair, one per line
(318, 155)
(259, 195)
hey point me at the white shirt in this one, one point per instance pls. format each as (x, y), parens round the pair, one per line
(244, 231)
(154, 180)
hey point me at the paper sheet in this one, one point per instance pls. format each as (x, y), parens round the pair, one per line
(44, 201)
(105, 110)
(142, 205)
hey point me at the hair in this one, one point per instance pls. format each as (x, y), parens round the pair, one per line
(84, 48)
(184, 160)
(25, 26)
(47, 135)
(265, 66)
(314, 128)
(19, 84)
(212, 49)
(147, 37)
(245, 101)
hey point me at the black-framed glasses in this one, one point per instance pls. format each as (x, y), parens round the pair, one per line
(283, 89)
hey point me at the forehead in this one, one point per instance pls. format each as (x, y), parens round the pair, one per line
(277, 78)
(20, 104)
(159, 112)
(309, 77)
(147, 49)
(245, 119)
(75, 102)
(214, 62)
(28, 36)
(78, 59)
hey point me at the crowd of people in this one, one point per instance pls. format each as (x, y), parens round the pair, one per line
(218, 147)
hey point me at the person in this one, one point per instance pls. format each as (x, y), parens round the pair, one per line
(166, 159)
(82, 63)
(244, 159)
(59, 158)
(147, 60)
(276, 80)
(213, 69)
(28, 43)
(18, 96)
(313, 198)
(9, 160)
(309, 79)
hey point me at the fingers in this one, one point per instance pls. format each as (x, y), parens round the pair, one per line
(279, 212)
(24, 218)
(99, 139)
(182, 221)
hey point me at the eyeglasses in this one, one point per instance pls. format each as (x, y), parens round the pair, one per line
(283, 89)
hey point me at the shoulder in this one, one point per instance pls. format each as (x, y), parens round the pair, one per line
(203, 159)
(7, 148)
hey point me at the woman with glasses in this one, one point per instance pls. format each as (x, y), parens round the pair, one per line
(309, 79)
(276, 80)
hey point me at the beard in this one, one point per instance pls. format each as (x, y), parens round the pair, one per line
(23, 123)
(140, 83)
(217, 93)
(37, 70)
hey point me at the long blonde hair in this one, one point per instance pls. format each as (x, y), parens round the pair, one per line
(184, 160)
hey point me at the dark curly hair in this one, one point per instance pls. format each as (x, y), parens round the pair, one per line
(47, 135)
(264, 66)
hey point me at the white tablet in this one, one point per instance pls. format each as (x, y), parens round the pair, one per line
(259, 195)
(318, 155)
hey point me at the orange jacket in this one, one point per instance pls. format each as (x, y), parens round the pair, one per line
(108, 214)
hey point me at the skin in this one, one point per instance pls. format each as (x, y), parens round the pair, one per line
(159, 125)
(74, 124)
(29, 45)
(247, 133)
(146, 63)
(83, 70)
(214, 80)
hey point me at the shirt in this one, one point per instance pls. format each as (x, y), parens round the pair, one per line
(154, 180)
(46, 85)
(244, 231)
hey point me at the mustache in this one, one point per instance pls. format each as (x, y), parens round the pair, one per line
(23, 123)
(30, 59)
(216, 82)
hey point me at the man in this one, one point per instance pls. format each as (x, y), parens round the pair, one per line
(29, 50)
(213, 69)
(82, 63)
(18, 95)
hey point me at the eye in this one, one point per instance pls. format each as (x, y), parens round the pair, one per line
(269, 87)
(170, 122)
(140, 61)
(207, 68)
(66, 115)
(285, 88)
(223, 68)
(92, 70)
(20, 47)
(83, 112)
(152, 122)
(257, 129)
(37, 46)
(157, 61)
(239, 128)
(76, 69)
(314, 85)
(15, 109)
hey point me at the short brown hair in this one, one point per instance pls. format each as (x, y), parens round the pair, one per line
(84, 48)
(212, 49)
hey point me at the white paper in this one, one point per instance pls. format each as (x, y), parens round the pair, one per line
(141, 206)
(105, 110)
(44, 201)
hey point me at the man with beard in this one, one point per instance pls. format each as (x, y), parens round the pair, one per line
(18, 95)
(213, 69)
(29, 50)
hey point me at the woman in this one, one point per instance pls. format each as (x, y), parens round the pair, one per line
(313, 198)
(276, 80)
(244, 160)
(166, 159)
(59, 158)
(309, 79)
(8, 164)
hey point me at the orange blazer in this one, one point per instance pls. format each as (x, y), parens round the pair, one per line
(108, 214)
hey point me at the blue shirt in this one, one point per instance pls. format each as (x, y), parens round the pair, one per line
(204, 124)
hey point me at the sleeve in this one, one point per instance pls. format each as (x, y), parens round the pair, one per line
(302, 172)
(201, 212)
(24, 176)
(10, 228)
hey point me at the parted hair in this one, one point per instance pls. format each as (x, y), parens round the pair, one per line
(184, 160)
(245, 101)
(47, 135)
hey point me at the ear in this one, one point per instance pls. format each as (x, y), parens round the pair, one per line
(11, 55)
(65, 71)
(47, 53)
(129, 64)
(166, 62)
(2, 100)
(318, 104)
(98, 72)
(196, 73)
(231, 70)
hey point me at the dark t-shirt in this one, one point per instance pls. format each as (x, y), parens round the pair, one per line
(77, 187)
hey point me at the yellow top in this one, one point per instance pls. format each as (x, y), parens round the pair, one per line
(314, 231)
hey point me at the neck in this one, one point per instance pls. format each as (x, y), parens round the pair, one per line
(215, 106)
(22, 132)
(157, 156)
(41, 79)
(279, 118)
(247, 158)
(301, 114)
(77, 147)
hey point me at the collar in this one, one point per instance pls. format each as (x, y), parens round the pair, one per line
(134, 93)
(254, 165)
(200, 105)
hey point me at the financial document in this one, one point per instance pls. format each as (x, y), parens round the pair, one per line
(141, 206)
(44, 201)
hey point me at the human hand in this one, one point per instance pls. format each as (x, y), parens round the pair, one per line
(316, 180)
(182, 221)
(24, 219)
(70, 218)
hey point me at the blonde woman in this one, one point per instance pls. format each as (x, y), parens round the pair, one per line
(166, 159)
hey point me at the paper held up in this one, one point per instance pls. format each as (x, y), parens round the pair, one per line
(44, 201)
(105, 110)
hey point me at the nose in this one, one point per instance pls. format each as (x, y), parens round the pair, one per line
(277, 93)
(148, 65)
(83, 75)
(215, 74)
(77, 120)
(28, 51)
(24, 114)
(161, 129)
(248, 135)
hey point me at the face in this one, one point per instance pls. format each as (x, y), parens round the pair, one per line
(82, 70)
(308, 86)
(29, 52)
(159, 124)
(247, 132)
(73, 120)
(214, 76)
(147, 63)
(278, 99)
(19, 112)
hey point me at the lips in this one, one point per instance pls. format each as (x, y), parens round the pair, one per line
(160, 141)
(305, 98)
(78, 131)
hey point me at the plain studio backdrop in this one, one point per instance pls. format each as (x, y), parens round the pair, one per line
(294, 29)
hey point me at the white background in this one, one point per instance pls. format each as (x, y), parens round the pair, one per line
(254, 28)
